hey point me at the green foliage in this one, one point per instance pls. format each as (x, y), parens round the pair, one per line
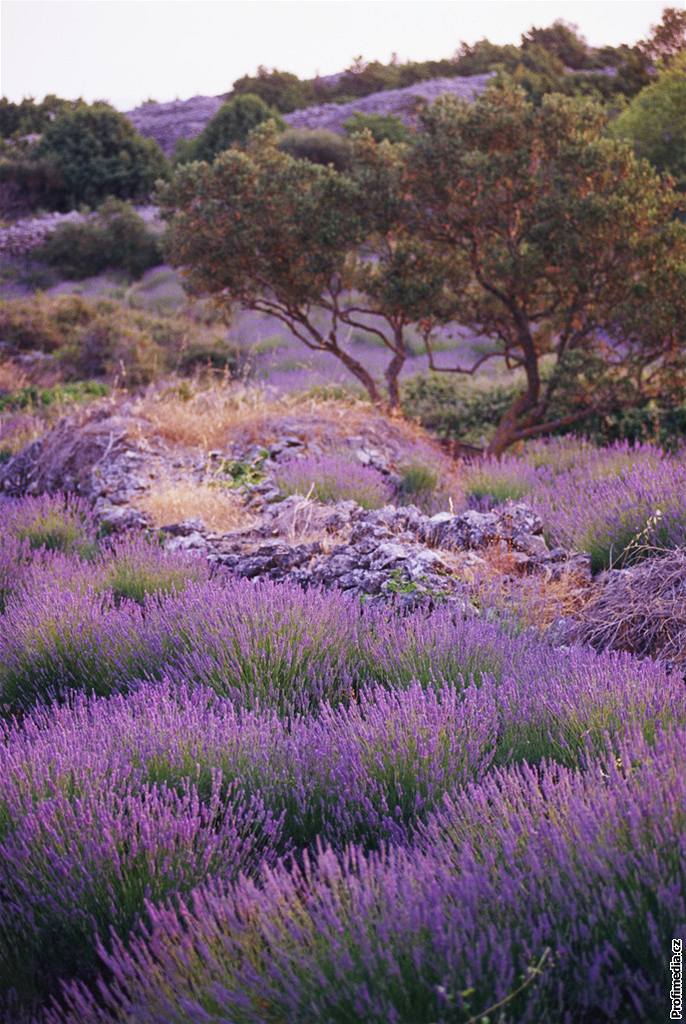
(279, 89)
(319, 146)
(655, 121)
(562, 41)
(33, 397)
(417, 481)
(239, 473)
(667, 39)
(305, 243)
(530, 204)
(453, 408)
(105, 340)
(56, 530)
(230, 126)
(99, 154)
(116, 239)
(29, 117)
(381, 126)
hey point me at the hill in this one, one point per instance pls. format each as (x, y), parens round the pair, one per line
(166, 123)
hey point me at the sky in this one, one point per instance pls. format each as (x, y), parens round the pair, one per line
(127, 51)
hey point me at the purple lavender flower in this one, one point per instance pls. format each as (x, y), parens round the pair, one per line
(551, 892)
(333, 478)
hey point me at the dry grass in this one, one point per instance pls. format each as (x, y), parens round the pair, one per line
(186, 414)
(13, 377)
(641, 609)
(531, 601)
(174, 501)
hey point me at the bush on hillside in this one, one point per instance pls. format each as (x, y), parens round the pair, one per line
(454, 408)
(105, 340)
(655, 121)
(99, 154)
(28, 116)
(279, 89)
(382, 126)
(117, 239)
(319, 146)
(230, 126)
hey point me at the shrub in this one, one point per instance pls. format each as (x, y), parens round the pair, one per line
(494, 481)
(418, 484)
(33, 397)
(334, 478)
(73, 870)
(530, 893)
(280, 89)
(317, 145)
(453, 408)
(105, 339)
(655, 121)
(230, 126)
(137, 567)
(63, 524)
(381, 126)
(99, 154)
(117, 239)
(616, 517)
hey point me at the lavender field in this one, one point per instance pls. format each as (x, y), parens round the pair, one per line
(234, 800)
(342, 513)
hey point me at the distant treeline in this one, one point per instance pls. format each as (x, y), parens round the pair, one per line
(553, 59)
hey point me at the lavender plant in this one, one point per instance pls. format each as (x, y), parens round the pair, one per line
(334, 478)
(54, 523)
(586, 884)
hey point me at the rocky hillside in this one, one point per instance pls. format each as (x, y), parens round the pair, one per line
(184, 119)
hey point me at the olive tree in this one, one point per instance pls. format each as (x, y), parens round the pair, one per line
(554, 235)
(322, 250)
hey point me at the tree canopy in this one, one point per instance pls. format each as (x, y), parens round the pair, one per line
(98, 153)
(230, 126)
(548, 229)
(525, 223)
(319, 249)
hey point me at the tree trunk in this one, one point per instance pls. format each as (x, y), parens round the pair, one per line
(365, 378)
(393, 369)
(509, 426)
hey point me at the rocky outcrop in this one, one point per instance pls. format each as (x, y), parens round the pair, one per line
(403, 103)
(20, 238)
(184, 119)
(396, 553)
(179, 119)
(387, 553)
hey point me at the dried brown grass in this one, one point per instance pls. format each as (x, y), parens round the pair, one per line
(174, 501)
(208, 417)
(533, 601)
(641, 610)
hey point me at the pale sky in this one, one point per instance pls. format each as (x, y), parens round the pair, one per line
(127, 51)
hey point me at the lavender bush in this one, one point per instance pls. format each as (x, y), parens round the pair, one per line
(232, 800)
(562, 915)
(53, 523)
(334, 478)
(616, 518)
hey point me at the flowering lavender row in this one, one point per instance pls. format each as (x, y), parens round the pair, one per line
(549, 895)
(288, 806)
(611, 502)
(83, 785)
(270, 645)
